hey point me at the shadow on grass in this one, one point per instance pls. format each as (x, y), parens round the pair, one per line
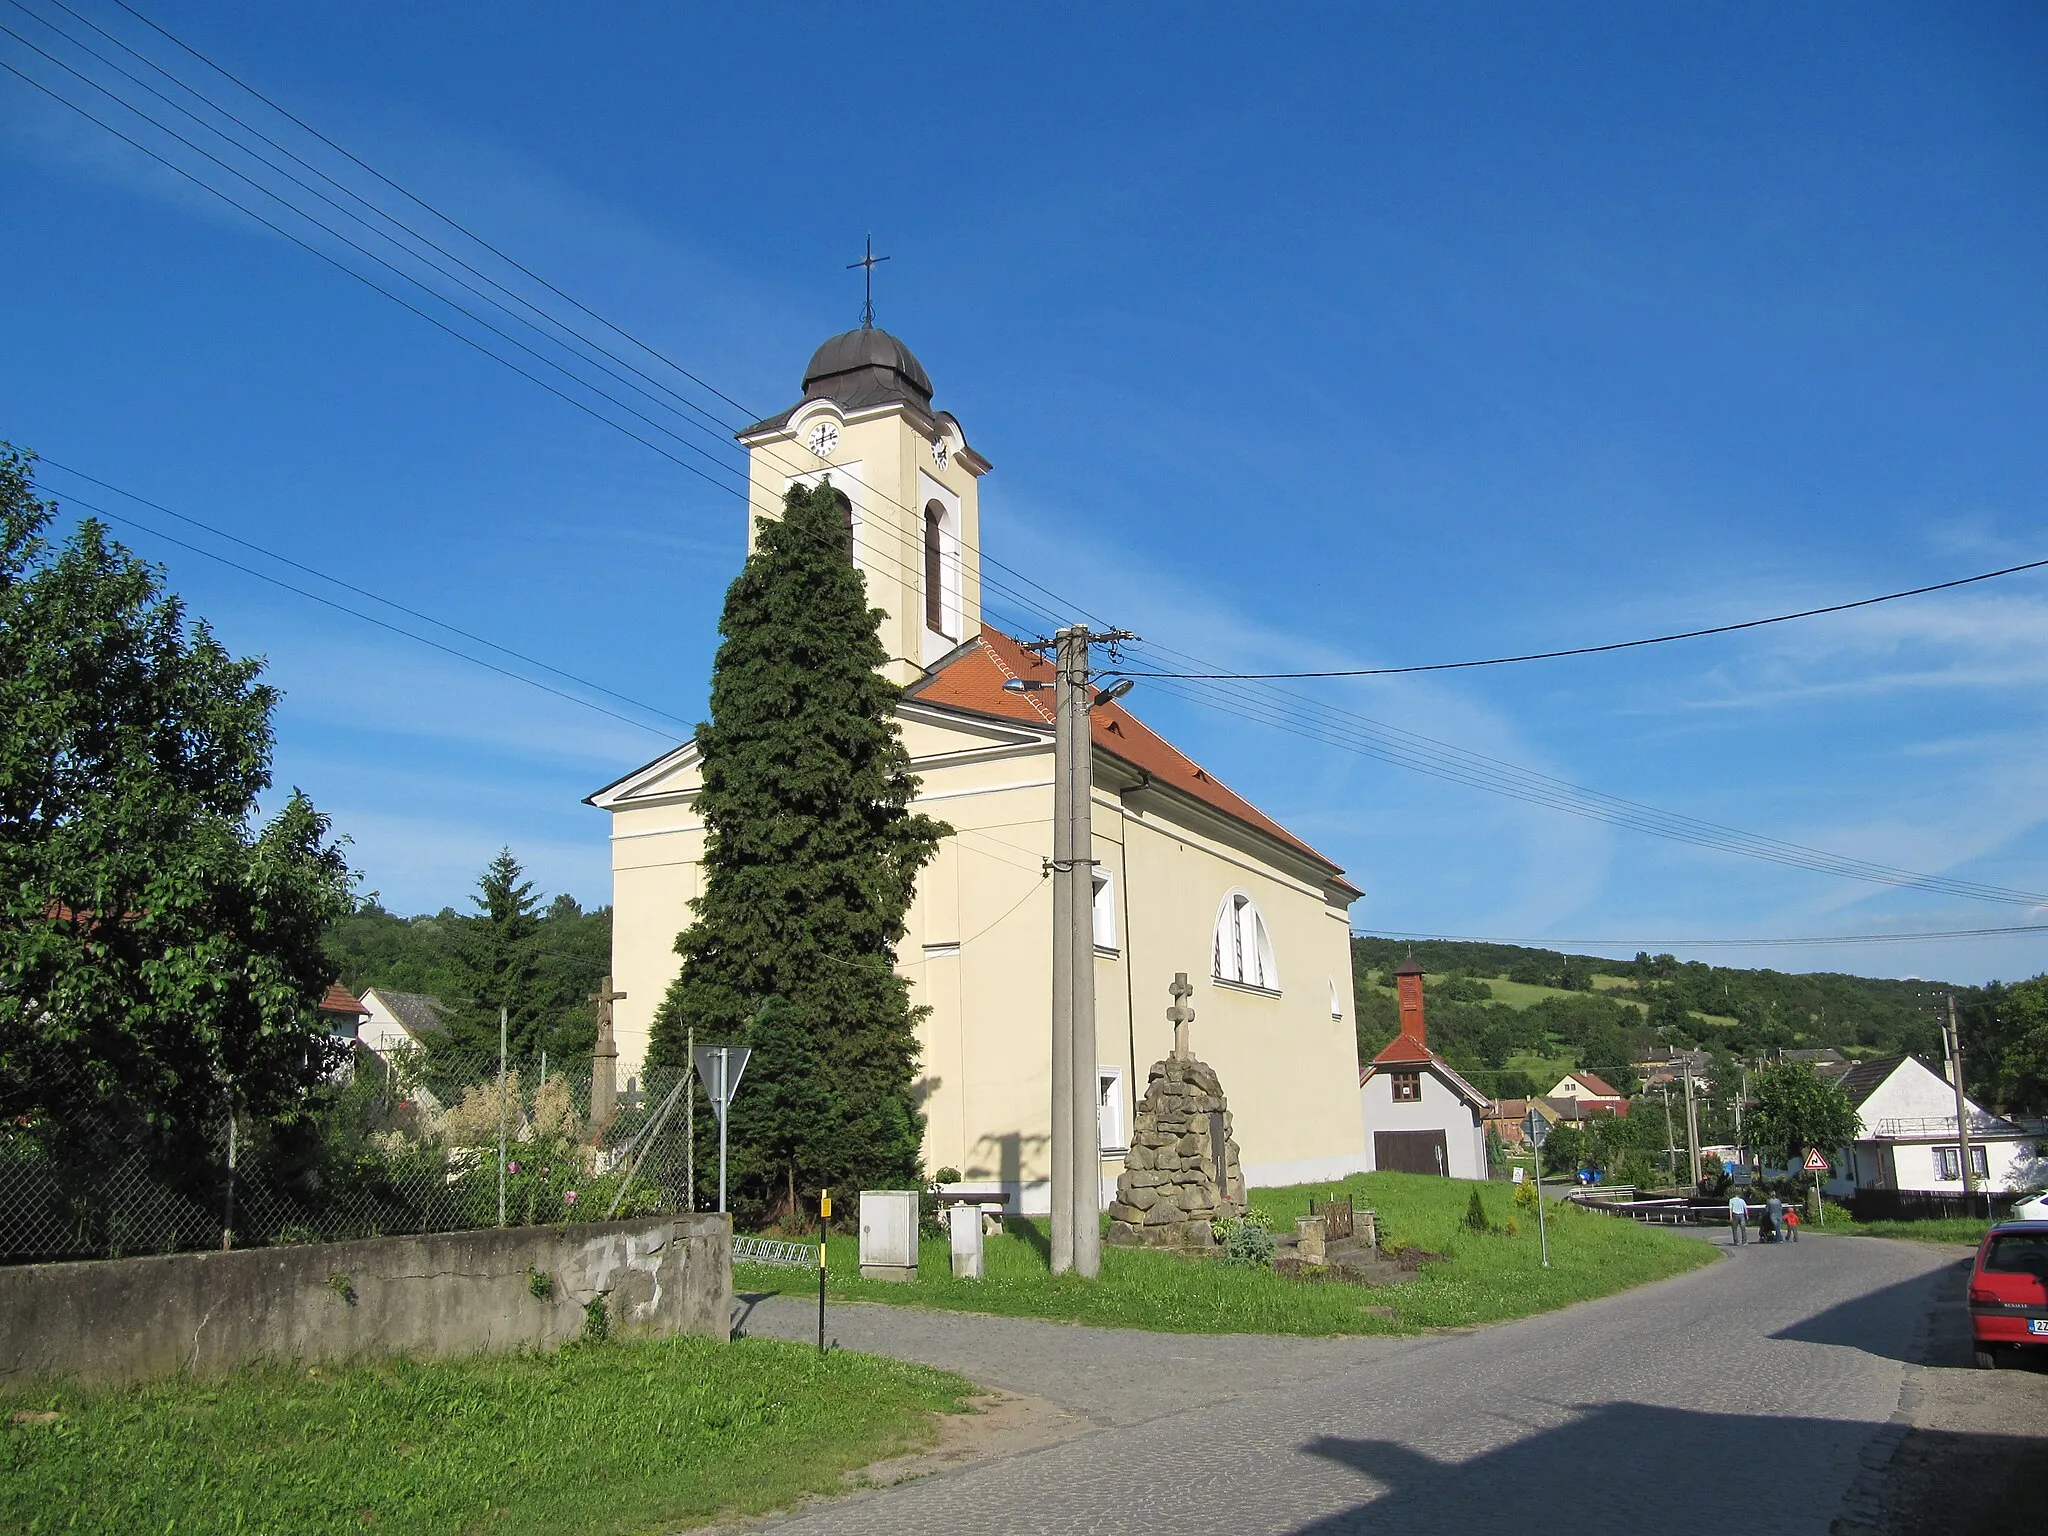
(1032, 1231)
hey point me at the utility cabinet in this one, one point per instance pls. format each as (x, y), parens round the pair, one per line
(888, 1234)
(963, 1225)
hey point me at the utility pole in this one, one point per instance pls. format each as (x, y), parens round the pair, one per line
(501, 1115)
(1955, 1057)
(1692, 1127)
(1670, 1136)
(1076, 1134)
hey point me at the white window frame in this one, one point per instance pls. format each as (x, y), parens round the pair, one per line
(1948, 1163)
(1104, 914)
(1109, 1114)
(1242, 952)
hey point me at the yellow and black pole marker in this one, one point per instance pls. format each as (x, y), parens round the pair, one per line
(824, 1218)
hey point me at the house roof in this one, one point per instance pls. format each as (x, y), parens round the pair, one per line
(971, 680)
(1599, 1085)
(340, 1000)
(1406, 1051)
(1866, 1077)
(420, 1013)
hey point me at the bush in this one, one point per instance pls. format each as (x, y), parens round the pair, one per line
(1247, 1244)
(1525, 1194)
(1475, 1213)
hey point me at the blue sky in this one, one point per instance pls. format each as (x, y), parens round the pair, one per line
(1346, 337)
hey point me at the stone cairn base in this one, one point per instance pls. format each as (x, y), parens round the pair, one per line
(1181, 1174)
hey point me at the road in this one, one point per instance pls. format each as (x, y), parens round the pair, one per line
(1757, 1395)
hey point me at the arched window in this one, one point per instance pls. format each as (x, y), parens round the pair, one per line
(935, 568)
(839, 499)
(1244, 950)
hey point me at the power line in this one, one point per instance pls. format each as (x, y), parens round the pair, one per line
(1676, 944)
(1617, 645)
(1411, 751)
(904, 537)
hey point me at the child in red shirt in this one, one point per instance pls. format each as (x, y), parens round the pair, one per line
(1792, 1225)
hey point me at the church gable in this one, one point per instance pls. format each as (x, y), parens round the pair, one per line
(671, 779)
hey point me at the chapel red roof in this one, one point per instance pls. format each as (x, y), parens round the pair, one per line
(340, 1000)
(972, 679)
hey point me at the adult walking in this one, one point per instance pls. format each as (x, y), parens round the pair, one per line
(1774, 1219)
(1738, 1220)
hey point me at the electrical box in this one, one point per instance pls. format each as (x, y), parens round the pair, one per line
(963, 1223)
(888, 1234)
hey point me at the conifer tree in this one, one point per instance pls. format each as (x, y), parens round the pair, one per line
(810, 859)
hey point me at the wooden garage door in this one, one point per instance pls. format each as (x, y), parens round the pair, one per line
(1410, 1152)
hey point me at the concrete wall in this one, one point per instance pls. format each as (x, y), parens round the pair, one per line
(453, 1293)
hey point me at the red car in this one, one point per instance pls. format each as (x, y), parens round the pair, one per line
(2009, 1290)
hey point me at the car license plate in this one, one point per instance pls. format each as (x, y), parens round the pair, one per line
(2037, 1325)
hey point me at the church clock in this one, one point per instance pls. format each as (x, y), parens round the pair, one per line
(941, 453)
(823, 438)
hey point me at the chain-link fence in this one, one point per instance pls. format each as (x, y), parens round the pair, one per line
(400, 1142)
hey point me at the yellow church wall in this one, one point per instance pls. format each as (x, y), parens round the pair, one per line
(657, 870)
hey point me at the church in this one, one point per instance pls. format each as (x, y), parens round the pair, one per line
(1190, 877)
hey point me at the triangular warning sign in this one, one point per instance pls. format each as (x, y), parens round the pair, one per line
(1815, 1163)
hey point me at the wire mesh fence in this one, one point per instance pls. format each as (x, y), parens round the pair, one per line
(394, 1142)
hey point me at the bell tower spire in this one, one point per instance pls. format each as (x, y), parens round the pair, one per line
(866, 422)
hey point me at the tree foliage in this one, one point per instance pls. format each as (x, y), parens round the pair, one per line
(544, 961)
(160, 949)
(811, 854)
(1795, 1109)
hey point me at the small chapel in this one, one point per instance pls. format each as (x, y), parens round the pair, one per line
(1189, 876)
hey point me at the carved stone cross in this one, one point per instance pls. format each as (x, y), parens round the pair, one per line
(1180, 1015)
(604, 1059)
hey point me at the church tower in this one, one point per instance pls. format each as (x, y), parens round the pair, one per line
(866, 423)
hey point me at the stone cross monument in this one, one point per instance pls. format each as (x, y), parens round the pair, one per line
(1182, 1173)
(604, 1060)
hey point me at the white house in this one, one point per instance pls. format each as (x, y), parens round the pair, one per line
(1420, 1115)
(1906, 1135)
(398, 1021)
(1592, 1092)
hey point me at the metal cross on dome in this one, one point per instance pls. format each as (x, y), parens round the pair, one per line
(868, 263)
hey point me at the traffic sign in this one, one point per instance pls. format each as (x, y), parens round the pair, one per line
(1536, 1128)
(1815, 1163)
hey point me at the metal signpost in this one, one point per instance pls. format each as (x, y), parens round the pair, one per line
(720, 1067)
(1817, 1165)
(1537, 1130)
(824, 1225)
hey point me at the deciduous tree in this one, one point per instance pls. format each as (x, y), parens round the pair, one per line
(160, 948)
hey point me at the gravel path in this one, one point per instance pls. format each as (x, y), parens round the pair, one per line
(1749, 1397)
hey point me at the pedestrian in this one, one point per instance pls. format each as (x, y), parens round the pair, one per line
(1774, 1219)
(1792, 1225)
(1738, 1220)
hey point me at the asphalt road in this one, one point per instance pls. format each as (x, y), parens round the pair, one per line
(1756, 1395)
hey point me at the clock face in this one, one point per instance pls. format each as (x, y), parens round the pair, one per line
(941, 453)
(823, 438)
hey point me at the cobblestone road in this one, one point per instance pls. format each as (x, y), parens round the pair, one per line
(1746, 1398)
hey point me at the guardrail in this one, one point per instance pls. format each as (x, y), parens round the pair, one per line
(779, 1255)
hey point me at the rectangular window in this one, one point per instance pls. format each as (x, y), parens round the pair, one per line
(1105, 910)
(1407, 1087)
(1109, 1098)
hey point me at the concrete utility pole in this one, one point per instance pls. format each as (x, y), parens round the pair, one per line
(1076, 1133)
(1955, 1056)
(1692, 1126)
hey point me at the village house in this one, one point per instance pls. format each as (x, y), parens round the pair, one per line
(1906, 1135)
(1189, 876)
(395, 1023)
(1593, 1095)
(1419, 1115)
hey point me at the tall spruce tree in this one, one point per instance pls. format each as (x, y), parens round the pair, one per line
(810, 859)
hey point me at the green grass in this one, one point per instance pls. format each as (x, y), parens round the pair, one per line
(613, 1440)
(1487, 1278)
(1945, 1229)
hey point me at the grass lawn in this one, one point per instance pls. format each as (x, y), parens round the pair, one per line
(1487, 1278)
(1944, 1229)
(609, 1440)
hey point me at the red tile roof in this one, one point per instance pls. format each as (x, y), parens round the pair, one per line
(340, 1000)
(1601, 1088)
(972, 680)
(1407, 1051)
